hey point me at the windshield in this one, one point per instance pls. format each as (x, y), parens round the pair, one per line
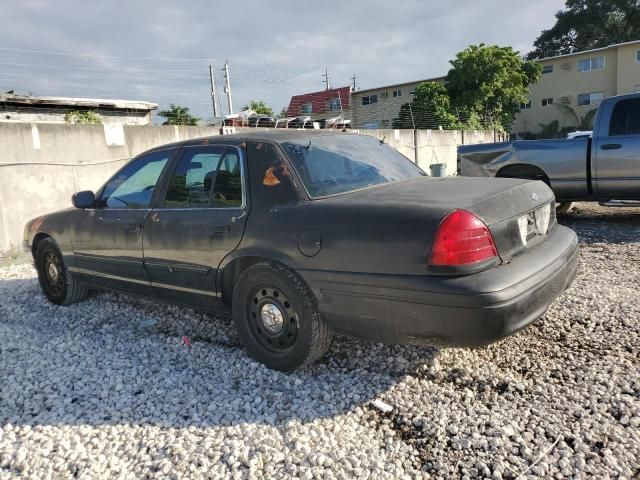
(331, 164)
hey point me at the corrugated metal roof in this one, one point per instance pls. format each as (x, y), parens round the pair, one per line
(78, 102)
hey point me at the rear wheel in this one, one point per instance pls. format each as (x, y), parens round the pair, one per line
(277, 318)
(56, 283)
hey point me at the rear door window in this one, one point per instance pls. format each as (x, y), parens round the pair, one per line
(625, 119)
(206, 177)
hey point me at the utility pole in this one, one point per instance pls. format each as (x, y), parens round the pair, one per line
(214, 92)
(354, 78)
(326, 78)
(227, 89)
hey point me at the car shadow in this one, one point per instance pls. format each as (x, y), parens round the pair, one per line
(114, 359)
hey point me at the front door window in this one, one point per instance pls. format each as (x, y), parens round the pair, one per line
(133, 186)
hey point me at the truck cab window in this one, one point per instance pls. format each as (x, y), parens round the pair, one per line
(625, 119)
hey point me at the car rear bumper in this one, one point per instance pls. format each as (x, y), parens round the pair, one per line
(468, 310)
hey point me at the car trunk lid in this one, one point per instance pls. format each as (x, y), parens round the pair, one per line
(507, 206)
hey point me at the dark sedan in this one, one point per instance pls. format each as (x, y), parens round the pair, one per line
(303, 234)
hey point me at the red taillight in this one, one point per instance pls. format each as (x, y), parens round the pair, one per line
(462, 239)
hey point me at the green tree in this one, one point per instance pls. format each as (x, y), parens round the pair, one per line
(178, 115)
(430, 108)
(259, 107)
(489, 83)
(83, 116)
(587, 24)
(283, 113)
(580, 122)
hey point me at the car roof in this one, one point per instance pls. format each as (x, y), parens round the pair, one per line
(286, 135)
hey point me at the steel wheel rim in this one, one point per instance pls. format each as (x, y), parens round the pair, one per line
(272, 320)
(53, 274)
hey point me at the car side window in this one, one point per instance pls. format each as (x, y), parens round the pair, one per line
(625, 119)
(206, 177)
(133, 186)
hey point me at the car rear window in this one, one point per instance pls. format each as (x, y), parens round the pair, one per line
(341, 163)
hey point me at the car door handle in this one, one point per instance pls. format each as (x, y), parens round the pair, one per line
(219, 231)
(131, 228)
(611, 146)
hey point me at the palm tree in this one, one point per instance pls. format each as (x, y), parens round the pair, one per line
(584, 122)
(549, 130)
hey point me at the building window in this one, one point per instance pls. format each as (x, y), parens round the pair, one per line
(412, 92)
(371, 125)
(638, 55)
(307, 107)
(384, 94)
(588, 64)
(524, 106)
(547, 69)
(398, 92)
(592, 98)
(547, 101)
(369, 99)
(334, 104)
(384, 123)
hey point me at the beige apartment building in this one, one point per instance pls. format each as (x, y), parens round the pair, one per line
(579, 80)
(377, 107)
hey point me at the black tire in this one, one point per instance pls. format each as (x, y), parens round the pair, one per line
(564, 207)
(303, 337)
(57, 284)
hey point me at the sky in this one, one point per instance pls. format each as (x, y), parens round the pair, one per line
(160, 51)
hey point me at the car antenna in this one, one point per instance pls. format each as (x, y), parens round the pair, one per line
(382, 141)
(308, 146)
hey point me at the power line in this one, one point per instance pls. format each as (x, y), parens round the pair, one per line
(157, 59)
(91, 55)
(79, 67)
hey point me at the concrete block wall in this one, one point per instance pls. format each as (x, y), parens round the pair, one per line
(426, 147)
(42, 165)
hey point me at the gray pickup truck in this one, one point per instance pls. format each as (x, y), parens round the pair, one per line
(601, 168)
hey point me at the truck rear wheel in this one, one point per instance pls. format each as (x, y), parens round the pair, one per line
(563, 207)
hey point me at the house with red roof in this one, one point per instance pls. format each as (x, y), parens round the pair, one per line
(323, 105)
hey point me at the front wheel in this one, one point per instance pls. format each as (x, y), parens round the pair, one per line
(277, 318)
(56, 283)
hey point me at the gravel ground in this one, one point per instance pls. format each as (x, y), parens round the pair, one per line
(95, 390)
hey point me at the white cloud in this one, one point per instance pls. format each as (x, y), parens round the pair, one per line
(275, 49)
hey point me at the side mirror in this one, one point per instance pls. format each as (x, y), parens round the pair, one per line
(84, 199)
